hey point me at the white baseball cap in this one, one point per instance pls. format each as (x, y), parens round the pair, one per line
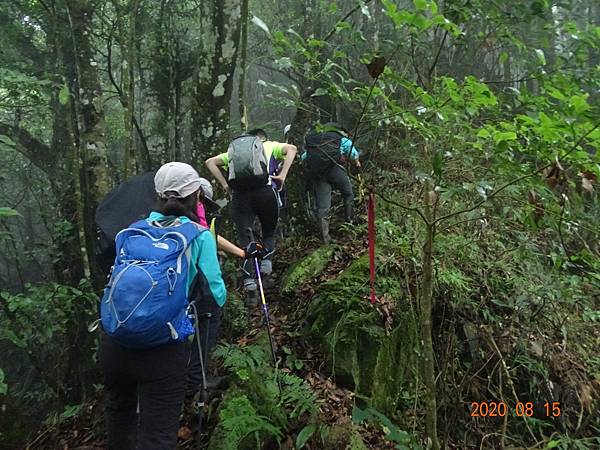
(206, 188)
(178, 178)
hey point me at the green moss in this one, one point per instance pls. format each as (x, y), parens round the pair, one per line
(235, 317)
(344, 435)
(347, 326)
(396, 365)
(305, 269)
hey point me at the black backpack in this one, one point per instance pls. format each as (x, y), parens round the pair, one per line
(322, 152)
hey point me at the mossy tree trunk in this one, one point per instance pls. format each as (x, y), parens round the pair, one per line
(129, 85)
(220, 28)
(90, 124)
(243, 109)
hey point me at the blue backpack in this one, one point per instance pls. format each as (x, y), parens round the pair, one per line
(145, 302)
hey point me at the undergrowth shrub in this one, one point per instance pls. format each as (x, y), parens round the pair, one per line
(260, 405)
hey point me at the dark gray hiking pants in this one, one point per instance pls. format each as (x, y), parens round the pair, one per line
(154, 377)
(337, 178)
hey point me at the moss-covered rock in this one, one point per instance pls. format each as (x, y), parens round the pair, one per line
(348, 326)
(305, 269)
(358, 351)
(396, 364)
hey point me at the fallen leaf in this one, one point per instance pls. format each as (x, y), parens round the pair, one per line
(184, 433)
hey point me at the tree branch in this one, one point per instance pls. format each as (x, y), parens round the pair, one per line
(437, 56)
(348, 14)
(31, 147)
(522, 177)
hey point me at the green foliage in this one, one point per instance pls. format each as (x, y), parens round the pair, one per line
(45, 320)
(239, 419)
(235, 317)
(3, 385)
(8, 212)
(266, 404)
(403, 440)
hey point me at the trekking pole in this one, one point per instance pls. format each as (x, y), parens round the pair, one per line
(204, 395)
(264, 302)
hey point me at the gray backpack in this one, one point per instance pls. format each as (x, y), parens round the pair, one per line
(248, 166)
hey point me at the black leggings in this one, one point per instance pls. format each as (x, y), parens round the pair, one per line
(155, 378)
(247, 205)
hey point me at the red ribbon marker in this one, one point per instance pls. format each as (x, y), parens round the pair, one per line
(371, 219)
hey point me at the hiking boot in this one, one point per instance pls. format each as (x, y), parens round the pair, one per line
(266, 267)
(349, 213)
(324, 229)
(251, 293)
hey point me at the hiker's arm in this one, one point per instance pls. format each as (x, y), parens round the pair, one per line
(213, 165)
(289, 151)
(229, 247)
(348, 149)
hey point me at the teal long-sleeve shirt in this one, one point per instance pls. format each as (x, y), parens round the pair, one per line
(202, 262)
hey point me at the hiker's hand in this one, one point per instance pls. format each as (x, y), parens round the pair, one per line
(254, 250)
(279, 180)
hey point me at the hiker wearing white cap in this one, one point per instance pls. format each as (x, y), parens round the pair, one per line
(163, 262)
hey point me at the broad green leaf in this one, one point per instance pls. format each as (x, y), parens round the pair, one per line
(421, 4)
(305, 435)
(63, 95)
(3, 385)
(552, 444)
(8, 212)
(579, 104)
(360, 415)
(483, 133)
(421, 22)
(540, 54)
(319, 92)
(555, 93)
(502, 136)
(6, 141)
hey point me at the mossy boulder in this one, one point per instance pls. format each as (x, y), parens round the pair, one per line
(347, 326)
(308, 267)
(358, 351)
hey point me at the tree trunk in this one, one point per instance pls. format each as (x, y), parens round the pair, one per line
(243, 66)
(425, 305)
(220, 28)
(129, 84)
(90, 121)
